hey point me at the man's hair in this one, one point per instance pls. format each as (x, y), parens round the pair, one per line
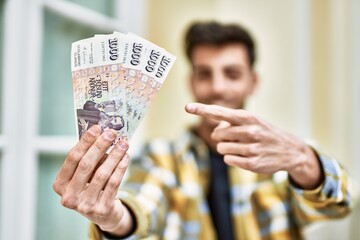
(215, 33)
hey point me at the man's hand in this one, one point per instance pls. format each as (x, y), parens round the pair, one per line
(89, 179)
(248, 142)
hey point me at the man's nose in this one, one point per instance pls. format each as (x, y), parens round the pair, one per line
(219, 84)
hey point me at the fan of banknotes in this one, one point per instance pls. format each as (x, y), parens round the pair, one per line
(115, 79)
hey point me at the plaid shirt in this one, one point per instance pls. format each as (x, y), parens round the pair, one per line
(167, 186)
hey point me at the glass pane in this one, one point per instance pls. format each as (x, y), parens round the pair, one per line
(53, 220)
(105, 7)
(57, 114)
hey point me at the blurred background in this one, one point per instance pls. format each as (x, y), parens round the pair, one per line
(308, 61)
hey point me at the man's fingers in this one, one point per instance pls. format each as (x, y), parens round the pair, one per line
(90, 160)
(244, 134)
(222, 125)
(103, 174)
(212, 111)
(244, 150)
(114, 182)
(102, 160)
(233, 116)
(74, 156)
(239, 161)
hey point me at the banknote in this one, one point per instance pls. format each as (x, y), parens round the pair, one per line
(113, 50)
(146, 89)
(98, 83)
(147, 67)
(115, 78)
(132, 74)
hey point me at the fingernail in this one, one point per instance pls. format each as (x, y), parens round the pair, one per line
(190, 107)
(94, 130)
(109, 134)
(122, 145)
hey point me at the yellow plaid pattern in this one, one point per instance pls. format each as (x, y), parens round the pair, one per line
(167, 188)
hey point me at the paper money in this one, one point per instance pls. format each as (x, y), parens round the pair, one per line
(115, 78)
(143, 62)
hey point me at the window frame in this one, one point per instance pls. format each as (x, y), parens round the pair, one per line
(20, 143)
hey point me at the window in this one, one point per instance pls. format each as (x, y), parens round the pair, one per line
(53, 220)
(56, 104)
(38, 128)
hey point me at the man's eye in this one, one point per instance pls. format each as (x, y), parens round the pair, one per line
(234, 75)
(203, 75)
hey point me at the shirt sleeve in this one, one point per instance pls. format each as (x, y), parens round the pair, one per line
(334, 198)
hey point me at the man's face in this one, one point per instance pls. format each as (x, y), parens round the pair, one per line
(222, 76)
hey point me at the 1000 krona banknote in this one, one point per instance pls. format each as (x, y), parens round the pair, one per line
(115, 78)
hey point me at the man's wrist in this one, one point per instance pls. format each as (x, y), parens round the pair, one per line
(308, 173)
(123, 227)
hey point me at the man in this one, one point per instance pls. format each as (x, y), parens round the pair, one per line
(216, 181)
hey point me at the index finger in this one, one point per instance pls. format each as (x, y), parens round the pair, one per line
(232, 116)
(74, 156)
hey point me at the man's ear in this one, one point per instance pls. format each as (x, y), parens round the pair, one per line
(254, 83)
(191, 82)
